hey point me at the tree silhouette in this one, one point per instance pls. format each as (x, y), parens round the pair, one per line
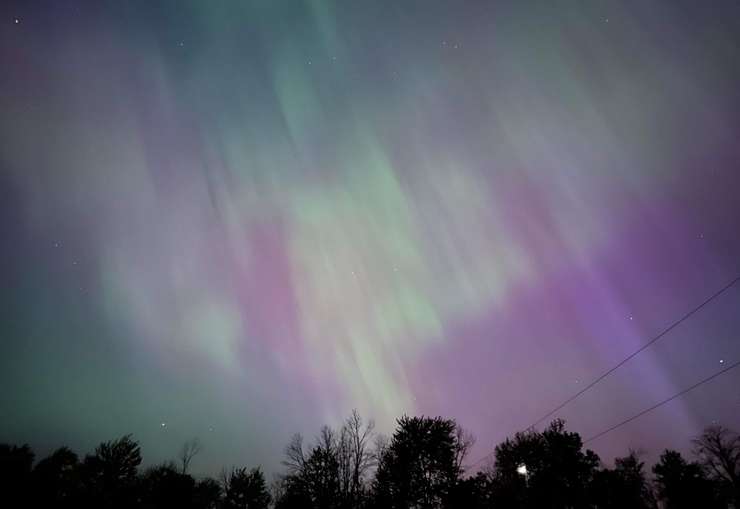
(15, 474)
(245, 489)
(418, 468)
(623, 486)
(207, 494)
(464, 442)
(547, 469)
(189, 450)
(56, 479)
(321, 476)
(165, 486)
(290, 493)
(109, 476)
(683, 485)
(355, 458)
(718, 450)
(474, 492)
(294, 455)
(513, 460)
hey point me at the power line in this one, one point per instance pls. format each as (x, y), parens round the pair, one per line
(638, 351)
(678, 394)
(611, 370)
(647, 410)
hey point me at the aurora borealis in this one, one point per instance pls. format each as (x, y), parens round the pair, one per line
(239, 220)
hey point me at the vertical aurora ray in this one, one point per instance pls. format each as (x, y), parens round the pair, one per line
(248, 218)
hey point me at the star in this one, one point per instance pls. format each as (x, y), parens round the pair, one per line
(630, 318)
(164, 424)
(16, 21)
(721, 361)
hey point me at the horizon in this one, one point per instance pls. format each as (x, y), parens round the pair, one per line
(470, 468)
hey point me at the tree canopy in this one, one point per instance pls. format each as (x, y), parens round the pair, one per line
(422, 465)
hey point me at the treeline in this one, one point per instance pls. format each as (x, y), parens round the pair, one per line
(421, 466)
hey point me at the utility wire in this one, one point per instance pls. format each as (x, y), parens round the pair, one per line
(678, 394)
(638, 351)
(611, 370)
(647, 410)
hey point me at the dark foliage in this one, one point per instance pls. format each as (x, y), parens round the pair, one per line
(166, 486)
(15, 474)
(207, 494)
(718, 450)
(683, 485)
(548, 469)
(623, 486)
(245, 489)
(332, 474)
(59, 474)
(109, 477)
(420, 467)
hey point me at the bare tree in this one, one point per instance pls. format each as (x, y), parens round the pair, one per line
(355, 455)
(295, 458)
(327, 439)
(344, 457)
(189, 450)
(464, 441)
(334, 467)
(278, 487)
(380, 444)
(224, 478)
(718, 450)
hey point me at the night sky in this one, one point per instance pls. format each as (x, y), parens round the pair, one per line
(239, 220)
